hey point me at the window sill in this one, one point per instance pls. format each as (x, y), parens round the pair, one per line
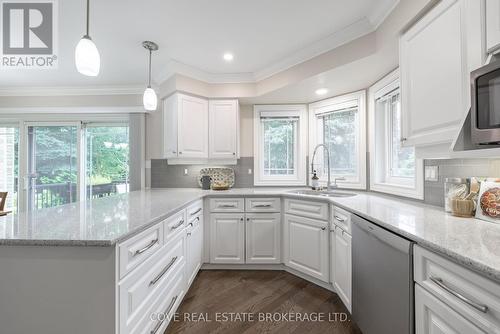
(398, 190)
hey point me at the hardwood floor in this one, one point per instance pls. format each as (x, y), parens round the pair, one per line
(250, 296)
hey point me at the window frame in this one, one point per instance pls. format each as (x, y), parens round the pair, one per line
(391, 185)
(333, 104)
(295, 111)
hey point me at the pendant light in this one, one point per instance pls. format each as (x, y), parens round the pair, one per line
(87, 59)
(149, 98)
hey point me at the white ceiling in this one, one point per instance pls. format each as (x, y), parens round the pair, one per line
(266, 36)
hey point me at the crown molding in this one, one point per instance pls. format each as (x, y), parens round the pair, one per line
(71, 91)
(73, 110)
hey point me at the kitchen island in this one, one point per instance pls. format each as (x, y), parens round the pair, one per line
(72, 268)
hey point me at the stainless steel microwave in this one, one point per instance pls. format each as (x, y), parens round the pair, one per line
(485, 105)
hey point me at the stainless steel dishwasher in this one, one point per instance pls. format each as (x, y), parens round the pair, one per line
(382, 280)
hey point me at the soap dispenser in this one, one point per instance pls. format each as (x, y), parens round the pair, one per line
(315, 181)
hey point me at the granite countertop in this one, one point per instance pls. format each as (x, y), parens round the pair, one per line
(106, 221)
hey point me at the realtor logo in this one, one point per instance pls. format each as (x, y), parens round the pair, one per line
(28, 35)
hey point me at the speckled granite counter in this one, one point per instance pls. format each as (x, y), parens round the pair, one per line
(106, 221)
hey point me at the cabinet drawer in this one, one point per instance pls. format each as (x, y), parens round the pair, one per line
(262, 205)
(433, 316)
(315, 210)
(341, 218)
(475, 297)
(194, 210)
(174, 224)
(156, 319)
(141, 287)
(227, 205)
(137, 249)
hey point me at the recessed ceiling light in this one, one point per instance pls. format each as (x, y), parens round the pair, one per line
(228, 56)
(321, 91)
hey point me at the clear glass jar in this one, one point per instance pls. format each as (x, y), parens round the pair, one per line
(454, 187)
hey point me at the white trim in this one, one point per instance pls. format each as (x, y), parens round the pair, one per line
(293, 110)
(71, 91)
(377, 90)
(340, 102)
(68, 110)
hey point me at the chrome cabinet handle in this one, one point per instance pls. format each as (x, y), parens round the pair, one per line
(403, 139)
(441, 284)
(180, 152)
(262, 206)
(169, 308)
(342, 220)
(163, 272)
(227, 206)
(151, 244)
(194, 213)
(323, 228)
(177, 225)
(190, 224)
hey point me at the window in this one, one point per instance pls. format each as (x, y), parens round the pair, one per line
(394, 168)
(9, 164)
(47, 162)
(339, 124)
(107, 160)
(279, 145)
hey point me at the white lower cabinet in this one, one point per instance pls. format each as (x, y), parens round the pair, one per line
(227, 238)
(342, 269)
(306, 246)
(194, 246)
(263, 235)
(433, 316)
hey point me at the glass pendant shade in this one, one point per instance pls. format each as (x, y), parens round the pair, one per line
(87, 59)
(149, 99)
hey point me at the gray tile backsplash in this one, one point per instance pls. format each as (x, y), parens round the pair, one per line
(172, 176)
(434, 191)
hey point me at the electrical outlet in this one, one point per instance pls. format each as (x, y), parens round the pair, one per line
(185, 171)
(431, 173)
(249, 171)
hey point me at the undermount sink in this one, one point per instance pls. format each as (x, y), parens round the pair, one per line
(324, 193)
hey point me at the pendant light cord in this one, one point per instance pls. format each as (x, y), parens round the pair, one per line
(88, 17)
(149, 78)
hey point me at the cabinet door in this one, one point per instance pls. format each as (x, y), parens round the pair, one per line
(435, 75)
(342, 270)
(306, 246)
(192, 127)
(263, 231)
(433, 316)
(223, 133)
(227, 238)
(170, 126)
(194, 248)
(492, 25)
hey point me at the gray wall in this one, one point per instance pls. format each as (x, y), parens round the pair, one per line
(172, 176)
(434, 191)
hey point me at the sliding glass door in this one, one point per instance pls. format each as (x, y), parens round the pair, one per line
(107, 159)
(52, 160)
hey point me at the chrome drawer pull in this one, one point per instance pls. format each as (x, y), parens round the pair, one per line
(151, 244)
(169, 308)
(194, 213)
(227, 206)
(177, 225)
(342, 220)
(262, 206)
(441, 284)
(164, 271)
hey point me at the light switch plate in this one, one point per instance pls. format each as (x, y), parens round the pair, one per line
(431, 173)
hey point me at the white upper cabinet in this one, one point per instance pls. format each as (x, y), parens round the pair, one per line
(492, 25)
(436, 56)
(192, 127)
(194, 130)
(224, 126)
